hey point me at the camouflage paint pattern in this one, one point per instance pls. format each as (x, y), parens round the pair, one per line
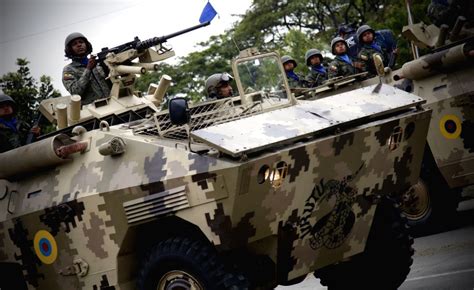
(319, 212)
(448, 88)
(444, 79)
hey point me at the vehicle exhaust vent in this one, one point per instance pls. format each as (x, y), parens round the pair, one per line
(156, 205)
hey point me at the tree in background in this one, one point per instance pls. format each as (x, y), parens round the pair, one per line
(268, 22)
(289, 27)
(26, 91)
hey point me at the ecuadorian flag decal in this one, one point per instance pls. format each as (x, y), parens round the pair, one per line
(45, 247)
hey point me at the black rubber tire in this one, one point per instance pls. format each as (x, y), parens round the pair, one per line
(194, 257)
(386, 261)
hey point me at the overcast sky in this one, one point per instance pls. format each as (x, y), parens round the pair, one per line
(36, 29)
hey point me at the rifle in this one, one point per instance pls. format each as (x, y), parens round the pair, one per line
(31, 137)
(145, 44)
(392, 59)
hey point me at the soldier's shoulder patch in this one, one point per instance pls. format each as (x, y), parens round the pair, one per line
(364, 57)
(67, 76)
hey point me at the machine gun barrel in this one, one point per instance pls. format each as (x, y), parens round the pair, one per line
(158, 40)
(142, 45)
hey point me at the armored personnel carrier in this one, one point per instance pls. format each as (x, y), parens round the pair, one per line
(246, 192)
(443, 77)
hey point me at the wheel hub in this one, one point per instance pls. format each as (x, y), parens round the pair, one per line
(179, 280)
(416, 201)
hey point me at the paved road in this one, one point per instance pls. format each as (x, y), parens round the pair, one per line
(441, 261)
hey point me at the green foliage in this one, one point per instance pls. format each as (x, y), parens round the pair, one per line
(395, 17)
(289, 27)
(268, 21)
(26, 91)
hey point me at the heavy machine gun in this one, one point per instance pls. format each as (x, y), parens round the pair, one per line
(118, 60)
(123, 103)
(143, 45)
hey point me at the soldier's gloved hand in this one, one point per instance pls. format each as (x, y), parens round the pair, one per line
(36, 130)
(92, 63)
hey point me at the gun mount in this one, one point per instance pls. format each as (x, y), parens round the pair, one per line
(119, 59)
(123, 104)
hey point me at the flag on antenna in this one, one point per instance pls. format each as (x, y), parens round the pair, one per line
(208, 13)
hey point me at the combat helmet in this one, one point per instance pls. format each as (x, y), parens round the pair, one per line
(67, 48)
(363, 29)
(287, 58)
(336, 40)
(6, 99)
(213, 81)
(311, 52)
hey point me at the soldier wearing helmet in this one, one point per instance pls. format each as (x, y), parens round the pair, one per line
(343, 64)
(294, 80)
(10, 127)
(318, 73)
(82, 76)
(366, 37)
(218, 86)
(381, 42)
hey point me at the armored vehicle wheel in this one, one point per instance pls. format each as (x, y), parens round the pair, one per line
(430, 205)
(417, 203)
(386, 261)
(181, 264)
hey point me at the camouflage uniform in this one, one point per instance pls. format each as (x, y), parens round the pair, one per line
(367, 51)
(9, 137)
(318, 74)
(366, 56)
(294, 79)
(9, 127)
(339, 67)
(89, 84)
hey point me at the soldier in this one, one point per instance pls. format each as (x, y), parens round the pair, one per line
(10, 127)
(349, 34)
(318, 73)
(381, 42)
(82, 76)
(366, 37)
(343, 65)
(218, 86)
(294, 80)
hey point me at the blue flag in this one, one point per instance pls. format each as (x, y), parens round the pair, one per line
(208, 13)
